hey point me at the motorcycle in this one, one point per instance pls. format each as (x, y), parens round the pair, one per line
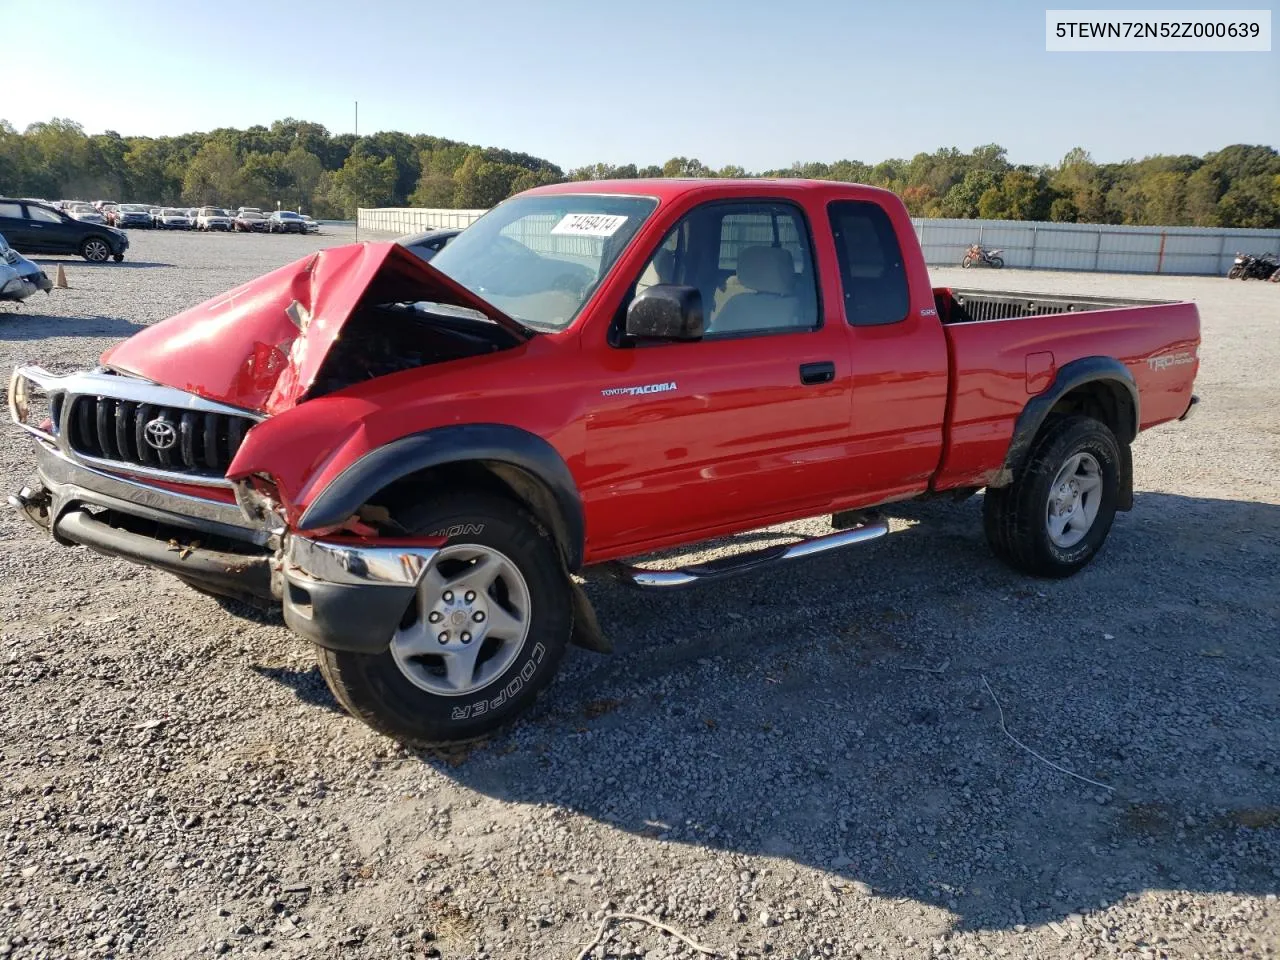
(19, 277)
(979, 254)
(1247, 266)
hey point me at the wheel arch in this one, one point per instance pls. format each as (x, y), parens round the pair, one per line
(1098, 387)
(504, 458)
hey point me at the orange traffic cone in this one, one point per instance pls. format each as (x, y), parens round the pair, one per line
(60, 279)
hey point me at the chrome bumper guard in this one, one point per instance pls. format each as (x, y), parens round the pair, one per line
(347, 595)
(356, 564)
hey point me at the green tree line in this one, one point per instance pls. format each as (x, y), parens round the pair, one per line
(303, 166)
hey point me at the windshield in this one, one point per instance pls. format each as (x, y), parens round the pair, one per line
(540, 258)
(249, 215)
(134, 208)
(170, 212)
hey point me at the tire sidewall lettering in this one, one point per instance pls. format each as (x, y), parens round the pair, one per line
(1097, 533)
(480, 707)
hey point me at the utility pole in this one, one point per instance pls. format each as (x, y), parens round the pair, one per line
(357, 131)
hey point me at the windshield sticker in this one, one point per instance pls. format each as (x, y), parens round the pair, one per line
(588, 225)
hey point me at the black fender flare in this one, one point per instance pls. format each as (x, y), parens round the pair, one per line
(1071, 376)
(491, 443)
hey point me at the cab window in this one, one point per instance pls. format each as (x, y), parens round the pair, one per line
(752, 263)
(872, 275)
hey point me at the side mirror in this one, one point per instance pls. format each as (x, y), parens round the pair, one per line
(666, 311)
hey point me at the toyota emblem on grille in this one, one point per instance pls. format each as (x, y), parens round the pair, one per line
(160, 434)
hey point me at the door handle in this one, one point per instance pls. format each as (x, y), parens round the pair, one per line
(822, 372)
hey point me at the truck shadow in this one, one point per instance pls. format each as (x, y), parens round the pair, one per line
(26, 324)
(52, 260)
(836, 715)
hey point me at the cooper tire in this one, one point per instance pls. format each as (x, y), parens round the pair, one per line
(386, 691)
(1018, 519)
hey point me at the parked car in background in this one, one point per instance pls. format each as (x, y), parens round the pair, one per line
(131, 215)
(427, 245)
(173, 218)
(154, 213)
(312, 226)
(19, 277)
(213, 218)
(286, 221)
(86, 213)
(38, 228)
(250, 221)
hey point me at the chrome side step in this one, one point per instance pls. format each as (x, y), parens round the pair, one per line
(650, 579)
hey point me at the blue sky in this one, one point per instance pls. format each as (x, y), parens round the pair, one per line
(755, 83)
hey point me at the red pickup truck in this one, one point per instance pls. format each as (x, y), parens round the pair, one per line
(414, 459)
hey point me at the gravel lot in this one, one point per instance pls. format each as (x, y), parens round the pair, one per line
(805, 764)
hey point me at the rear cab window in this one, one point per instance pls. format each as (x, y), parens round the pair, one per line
(873, 277)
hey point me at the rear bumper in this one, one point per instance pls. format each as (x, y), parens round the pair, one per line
(340, 593)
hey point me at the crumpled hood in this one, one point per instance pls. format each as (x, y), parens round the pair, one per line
(261, 345)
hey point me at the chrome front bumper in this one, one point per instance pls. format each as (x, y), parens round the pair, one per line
(70, 484)
(345, 593)
(350, 595)
(341, 593)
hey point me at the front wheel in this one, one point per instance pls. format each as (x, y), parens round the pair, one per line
(95, 250)
(1054, 517)
(996, 262)
(1234, 273)
(967, 262)
(485, 632)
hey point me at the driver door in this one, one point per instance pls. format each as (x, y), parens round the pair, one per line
(745, 425)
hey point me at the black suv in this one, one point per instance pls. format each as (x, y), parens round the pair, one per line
(38, 228)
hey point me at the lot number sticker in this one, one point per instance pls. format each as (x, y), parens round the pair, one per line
(588, 225)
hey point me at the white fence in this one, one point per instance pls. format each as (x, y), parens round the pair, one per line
(387, 223)
(1093, 246)
(1029, 244)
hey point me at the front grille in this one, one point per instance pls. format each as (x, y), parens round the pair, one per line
(196, 442)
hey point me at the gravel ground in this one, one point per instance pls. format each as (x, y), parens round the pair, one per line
(803, 764)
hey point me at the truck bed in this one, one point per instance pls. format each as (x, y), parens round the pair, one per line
(996, 365)
(976, 306)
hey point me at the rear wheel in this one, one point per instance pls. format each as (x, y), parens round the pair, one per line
(996, 262)
(95, 250)
(484, 634)
(1059, 509)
